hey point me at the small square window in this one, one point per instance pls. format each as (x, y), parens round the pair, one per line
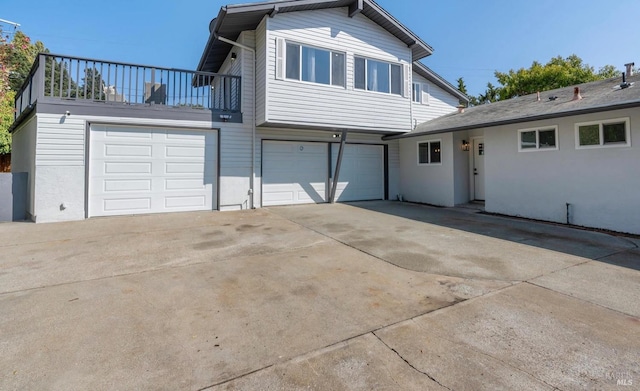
(614, 133)
(589, 135)
(528, 140)
(430, 152)
(547, 138)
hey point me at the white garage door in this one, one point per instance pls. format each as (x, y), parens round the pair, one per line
(294, 172)
(144, 170)
(362, 172)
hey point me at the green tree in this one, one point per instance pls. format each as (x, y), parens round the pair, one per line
(93, 84)
(462, 88)
(557, 73)
(18, 56)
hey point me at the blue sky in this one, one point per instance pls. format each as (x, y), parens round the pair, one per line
(471, 38)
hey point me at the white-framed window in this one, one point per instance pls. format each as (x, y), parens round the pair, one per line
(429, 152)
(314, 65)
(416, 95)
(420, 93)
(607, 133)
(379, 76)
(538, 139)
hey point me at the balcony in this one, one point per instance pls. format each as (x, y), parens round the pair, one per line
(93, 84)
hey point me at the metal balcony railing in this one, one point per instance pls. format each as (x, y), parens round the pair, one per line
(89, 80)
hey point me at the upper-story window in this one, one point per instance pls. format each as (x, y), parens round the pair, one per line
(373, 75)
(315, 65)
(420, 93)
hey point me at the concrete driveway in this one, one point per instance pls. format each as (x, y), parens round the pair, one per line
(362, 296)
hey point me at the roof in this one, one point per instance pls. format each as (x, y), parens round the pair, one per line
(234, 19)
(433, 77)
(597, 96)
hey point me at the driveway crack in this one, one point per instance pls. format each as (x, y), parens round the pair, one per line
(408, 363)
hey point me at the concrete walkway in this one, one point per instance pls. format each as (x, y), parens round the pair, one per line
(364, 296)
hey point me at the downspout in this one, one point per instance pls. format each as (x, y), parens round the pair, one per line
(253, 122)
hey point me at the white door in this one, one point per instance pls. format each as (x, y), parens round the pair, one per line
(362, 172)
(294, 172)
(151, 170)
(478, 168)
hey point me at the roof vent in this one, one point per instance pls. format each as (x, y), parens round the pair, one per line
(552, 98)
(624, 83)
(576, 94)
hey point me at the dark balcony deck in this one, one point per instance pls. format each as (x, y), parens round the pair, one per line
(91, 84)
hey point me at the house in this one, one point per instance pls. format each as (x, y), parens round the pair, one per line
(289, 104)
(569, 155)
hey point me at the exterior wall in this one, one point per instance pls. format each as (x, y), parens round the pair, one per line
(601, 185)
(261, 76)
(321, 136)
(429, 184)
(436, 102)
(309, 104)
(23, 148)
(461, 165)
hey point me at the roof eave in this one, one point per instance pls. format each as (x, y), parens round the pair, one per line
(429, 74)
(590, 110)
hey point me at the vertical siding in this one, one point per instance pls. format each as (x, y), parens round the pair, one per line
(440, 102)
(300, 103)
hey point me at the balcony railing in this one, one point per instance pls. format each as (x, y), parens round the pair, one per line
(88, 80)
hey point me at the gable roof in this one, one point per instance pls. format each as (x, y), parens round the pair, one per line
(597, 96)
(234, 19)
(436, 79)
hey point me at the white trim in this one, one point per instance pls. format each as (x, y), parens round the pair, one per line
(281, 53)
(414, 90)
(428, 142)
(627, 126)
(537, 146)
(426, 93)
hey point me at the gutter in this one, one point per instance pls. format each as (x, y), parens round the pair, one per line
(591, 110)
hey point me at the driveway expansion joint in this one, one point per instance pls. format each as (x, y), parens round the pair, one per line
(409, 364)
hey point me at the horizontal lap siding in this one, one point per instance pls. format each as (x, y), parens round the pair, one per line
(293, 102)
(261, 76)
(60, 141)
(440, 102)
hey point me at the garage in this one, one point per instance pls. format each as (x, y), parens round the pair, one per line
(298, 172)
(294, 172)
(362, 172)
(135, 170)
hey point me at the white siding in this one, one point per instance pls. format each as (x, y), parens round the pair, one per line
(60, 168)
(430, 184)
(261, 76)
(439, 102)
(309, 135)
(601, 184)
(300, 103)
(23, 147)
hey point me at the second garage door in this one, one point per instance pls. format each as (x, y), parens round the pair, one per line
(362, 172)
(151, 170)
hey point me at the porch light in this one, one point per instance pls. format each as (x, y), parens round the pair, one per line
(465, 145)
(225, 117)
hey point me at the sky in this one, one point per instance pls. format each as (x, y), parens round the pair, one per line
(472, 38)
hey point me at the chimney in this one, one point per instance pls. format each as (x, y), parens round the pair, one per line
(576, 94)
(629, 67)
(461, 109)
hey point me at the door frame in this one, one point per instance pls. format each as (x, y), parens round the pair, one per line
(472, 182)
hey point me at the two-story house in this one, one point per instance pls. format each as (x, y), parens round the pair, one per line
(289, 104)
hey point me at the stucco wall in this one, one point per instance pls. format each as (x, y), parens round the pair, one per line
(601, 185)
(429, 184)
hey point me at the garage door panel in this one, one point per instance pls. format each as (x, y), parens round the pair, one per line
(362, 172)
(147, 170)
(294, 172)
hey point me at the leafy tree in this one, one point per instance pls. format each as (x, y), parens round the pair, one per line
(557, 73)
(63, 84)
(18, 56)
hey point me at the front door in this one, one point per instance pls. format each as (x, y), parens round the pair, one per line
(478, 169)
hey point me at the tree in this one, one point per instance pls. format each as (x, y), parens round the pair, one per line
(18, 57)
(462, 88)
(557, 73)
(93, 84)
